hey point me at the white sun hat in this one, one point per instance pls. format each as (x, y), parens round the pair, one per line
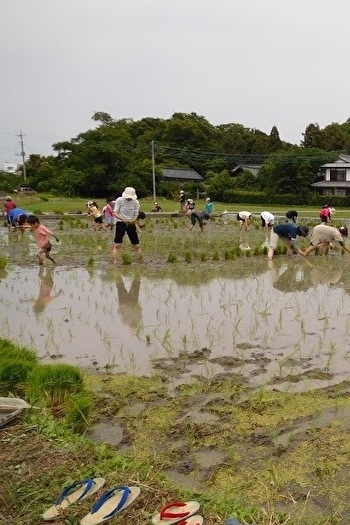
(129, 193)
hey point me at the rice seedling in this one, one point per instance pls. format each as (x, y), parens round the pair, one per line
(52, 384)
(3, 262)
(78, 408)
(188, 257)
(172, 258)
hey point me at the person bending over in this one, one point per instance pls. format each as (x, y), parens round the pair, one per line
(322, 237)
(288, 233)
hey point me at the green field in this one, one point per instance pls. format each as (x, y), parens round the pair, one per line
(53, 204)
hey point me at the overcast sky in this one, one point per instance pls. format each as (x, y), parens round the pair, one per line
(258, 63)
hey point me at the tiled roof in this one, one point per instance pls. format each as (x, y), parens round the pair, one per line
(336, 165)
(181, 174)
(331, 184)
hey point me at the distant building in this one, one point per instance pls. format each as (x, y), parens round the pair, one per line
(336, 178)
(10, 167)
(253, 168)
(181, 175)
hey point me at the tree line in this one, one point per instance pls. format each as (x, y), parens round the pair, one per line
(117, 153)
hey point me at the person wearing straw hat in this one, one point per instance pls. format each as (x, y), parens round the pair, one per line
(126, 212)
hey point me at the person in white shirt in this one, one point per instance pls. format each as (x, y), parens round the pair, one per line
(244, 218)
(126, 212)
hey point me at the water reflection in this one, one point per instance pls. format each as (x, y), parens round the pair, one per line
(301, 274)
(251, 317)
(129, 307)
(45, 291)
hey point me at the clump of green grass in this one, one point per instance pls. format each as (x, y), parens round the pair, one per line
(78, 409)
(91, 262)
(3, 263)
(13, 375)
(51, 385)
(203, 256)
(126, 258)
(188, 257)
(172, 258)
(229, 254)
(216, 256)
(9, 350)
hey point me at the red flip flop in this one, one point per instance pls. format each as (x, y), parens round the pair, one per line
(175, 512)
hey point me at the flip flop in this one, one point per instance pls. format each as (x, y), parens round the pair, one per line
(192, 520)
(87, 487)
(175, 512)
(111, 503)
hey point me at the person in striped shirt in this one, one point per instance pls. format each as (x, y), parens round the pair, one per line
(126, 212)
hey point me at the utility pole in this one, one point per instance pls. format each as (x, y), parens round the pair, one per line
(23, 155)
(153, 173)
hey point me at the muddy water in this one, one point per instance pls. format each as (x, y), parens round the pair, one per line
(285, 323)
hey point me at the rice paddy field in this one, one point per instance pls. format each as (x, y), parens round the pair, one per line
(227, 372)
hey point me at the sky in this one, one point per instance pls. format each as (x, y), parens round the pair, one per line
(259, 63)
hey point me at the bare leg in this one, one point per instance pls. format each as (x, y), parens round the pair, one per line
(115, 252)
(137, 249)
(48, 256)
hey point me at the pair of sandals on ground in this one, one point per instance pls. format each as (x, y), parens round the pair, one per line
(117, 500)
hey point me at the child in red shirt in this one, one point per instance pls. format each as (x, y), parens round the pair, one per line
(41, 233)
(8, 206)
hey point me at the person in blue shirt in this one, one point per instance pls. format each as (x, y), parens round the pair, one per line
(288, 233)
(17, 217)
(209, 205)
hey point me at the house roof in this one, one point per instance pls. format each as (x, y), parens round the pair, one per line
(331, 184)
(252, 167)
(336, 165)
(181, 174)
(343, 161)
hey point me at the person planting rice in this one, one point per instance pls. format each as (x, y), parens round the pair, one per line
(267, 220)
(288, 233)
(201, 217)
(17, 217)
(42, 234)
(323, 235)
(292, 215)
(244, 218)
(126, 211)
(95, 211)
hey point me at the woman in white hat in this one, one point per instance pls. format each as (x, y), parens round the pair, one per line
(126, 211)
(182, 201)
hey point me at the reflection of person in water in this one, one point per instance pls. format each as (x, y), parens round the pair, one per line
(129, 307)
(291, 277)
(46, 285)
(296, 277)
(323, 271)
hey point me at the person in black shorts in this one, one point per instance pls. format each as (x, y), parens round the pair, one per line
(126, 211)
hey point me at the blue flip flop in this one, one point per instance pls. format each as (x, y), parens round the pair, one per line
(84, 489)
(111, 503)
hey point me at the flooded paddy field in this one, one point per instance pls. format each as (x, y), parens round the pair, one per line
(236, 368)
(283, 323)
